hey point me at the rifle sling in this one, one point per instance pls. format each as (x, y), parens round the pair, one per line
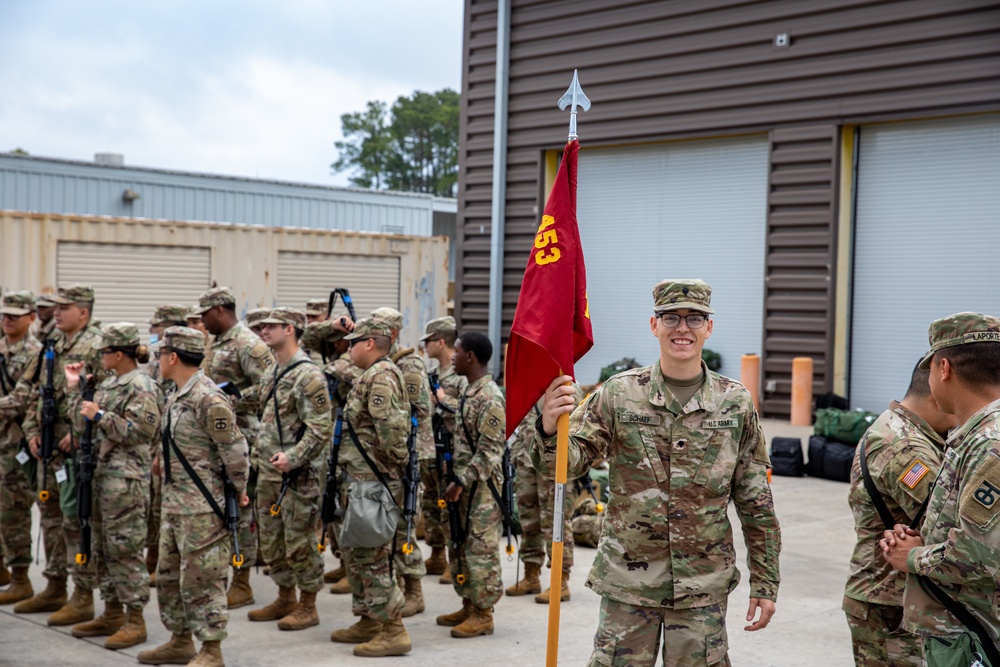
(489, 482)
(168, 443)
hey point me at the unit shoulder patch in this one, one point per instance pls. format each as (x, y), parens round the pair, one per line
(914, 473)
(317, 392)
(980, 502)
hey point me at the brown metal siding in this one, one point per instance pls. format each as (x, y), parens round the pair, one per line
(698, 68)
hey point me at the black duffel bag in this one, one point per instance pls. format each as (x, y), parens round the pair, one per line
(786, 457)
(829, 459)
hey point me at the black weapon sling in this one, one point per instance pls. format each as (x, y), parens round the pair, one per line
(277, 412)
(168, 444)
(958, 610)
(489, 482)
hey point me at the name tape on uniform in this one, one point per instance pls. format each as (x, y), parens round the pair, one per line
(732, 422)
(982, 337)
(636, 418)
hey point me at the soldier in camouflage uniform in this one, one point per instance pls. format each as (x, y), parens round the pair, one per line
(165, 316)
(195, 548)
(238, 357)
(254, 318)
(125, 418)
(439, 342)
(681, 442)
(18, 357)
(379, 417)
(315, 312)
(296, 428)
(77, 340)
(587, 522)
(411, 566)
(903, 450)
(957, 546)
(479, 448)
(45, 322)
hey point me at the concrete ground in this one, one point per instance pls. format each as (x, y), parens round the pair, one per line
(808, 628)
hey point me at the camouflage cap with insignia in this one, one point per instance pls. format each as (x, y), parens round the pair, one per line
(442, 326)
(960, 329)
(217, 296)
(184, 339)
(256, 315)
(45, 301)
(370, 326)
(119, 334)
(170, 312)
(318, 332)
(286, 316)
(316, 307)
(73, 294)
(18, 303)
(391, 316)
(677, 294)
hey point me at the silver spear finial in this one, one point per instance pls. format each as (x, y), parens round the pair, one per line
(574, 98)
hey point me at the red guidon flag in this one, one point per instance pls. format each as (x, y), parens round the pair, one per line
(551, 329)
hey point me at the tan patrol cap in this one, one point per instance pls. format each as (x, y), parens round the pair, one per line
(442, 326)
(217, 296)
(316, 307)
(370, 326)
(678, 294)
(184, 339)
(390, 316)
(18, 303)
(960, 329)
(73, 294)
(286, 316)
(256, 315)
(119, 334)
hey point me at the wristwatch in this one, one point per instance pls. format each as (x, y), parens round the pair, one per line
(97, 417)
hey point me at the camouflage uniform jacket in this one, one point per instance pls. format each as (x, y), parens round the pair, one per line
(304, 406)
(126, 435)
(454, 386)
(961, 533)
(82, 348)
(667, 540)
(481, 413)
(41, 331)
(418, 392)
(897, 442)
(163, 386)
(19, 360)
(240, 357)
(203, 426)
(380, 414)
(344, 370)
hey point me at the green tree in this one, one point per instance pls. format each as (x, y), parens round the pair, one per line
(415, 150)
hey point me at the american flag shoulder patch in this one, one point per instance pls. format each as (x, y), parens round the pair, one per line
(914, 474)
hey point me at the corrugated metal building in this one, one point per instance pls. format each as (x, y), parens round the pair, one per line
(818, 162)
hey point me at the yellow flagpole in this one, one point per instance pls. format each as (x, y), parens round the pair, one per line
(555, 578)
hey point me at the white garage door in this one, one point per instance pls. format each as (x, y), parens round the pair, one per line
(686, 210)
(130, 281)
(927, 242)
(372, 281)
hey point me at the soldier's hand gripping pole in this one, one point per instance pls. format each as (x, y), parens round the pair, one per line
(48, 436)
(412, 484)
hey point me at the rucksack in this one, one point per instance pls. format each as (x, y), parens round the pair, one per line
(845, 426)
(786, 457)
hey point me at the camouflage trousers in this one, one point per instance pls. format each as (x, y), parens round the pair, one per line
(155, 503)
(877, 638)
(629, 636)
(478, 557)
(60, 525)
(16, 497)
(435, 518)
(191, 575)
(535, 504)
(374, 590)
(288, 540)
(118, 518)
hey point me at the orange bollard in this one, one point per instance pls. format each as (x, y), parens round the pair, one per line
(750, 377)
(802, 393)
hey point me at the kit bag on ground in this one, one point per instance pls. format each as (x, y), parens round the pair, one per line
(829, 459)
(786, 457)
(845, 426)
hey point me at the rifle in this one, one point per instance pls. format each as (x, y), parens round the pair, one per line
(440, 435)
(585, 483)
(511, 527)
(84, 489)
(411, 481)
(332, 489)
(231, 520)
(230, 389)
(448, 476)
(48, 444)
(345, 296)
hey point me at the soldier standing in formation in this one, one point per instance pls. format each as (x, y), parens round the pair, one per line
(237, 357)
(682, 442)
(199, 428)
(125, 418)
(18, 471)
(254, 318)
(315, 312)
(295, 432)
(45, 323)
(903, 451)
(479, 449)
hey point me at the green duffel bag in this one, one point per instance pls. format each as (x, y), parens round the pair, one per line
(845, 426)
(963, 650)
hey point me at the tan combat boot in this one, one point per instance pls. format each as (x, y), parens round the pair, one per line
(51, 599)
(342, 587)
(364, 630)
(79, 608)
(445, 578)
(104, 625)
(179, 650)
(210, 655)
(20, 586)
(281, 607)
(530, 584)
(437, 563)
(132, 633)
(457, 617)
(4, 574)
(240, 594)
(479, 622)
(414, 593)
(543, 598)
(393, 640)
(303, 616)
(333, 576)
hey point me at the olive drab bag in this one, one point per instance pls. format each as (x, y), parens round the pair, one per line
(372, 513)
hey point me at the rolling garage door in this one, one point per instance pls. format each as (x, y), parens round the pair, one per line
(130, 281)
(373, 281)
(927, 242)
(686, 210)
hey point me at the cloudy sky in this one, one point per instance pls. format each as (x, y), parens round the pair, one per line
(249, 87)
